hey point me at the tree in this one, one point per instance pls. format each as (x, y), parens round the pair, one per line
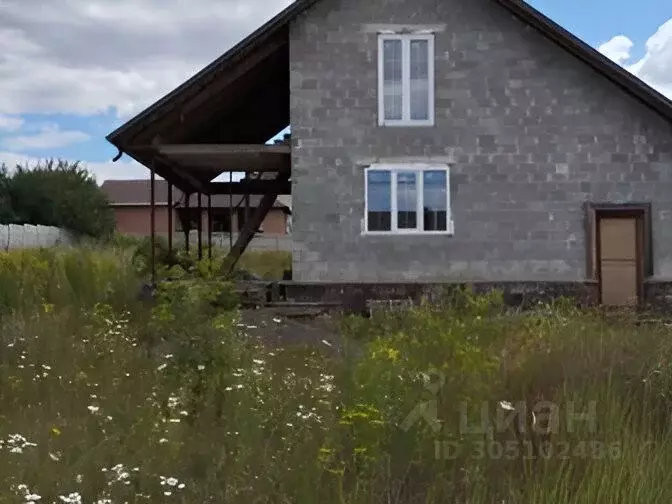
(6, 211)
(56, 193)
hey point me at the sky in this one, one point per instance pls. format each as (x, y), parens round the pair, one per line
(72, 71)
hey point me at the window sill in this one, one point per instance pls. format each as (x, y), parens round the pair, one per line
(406, 124)
(449, 232)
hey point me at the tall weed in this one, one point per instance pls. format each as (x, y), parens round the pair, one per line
(106, 399)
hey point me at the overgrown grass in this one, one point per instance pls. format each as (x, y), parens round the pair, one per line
(65, 277)
(269, 265)
(105, 399)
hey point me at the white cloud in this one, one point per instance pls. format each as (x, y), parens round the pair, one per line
(122, 169)
(10, 123)
(91, 56)
(617, 49)
(655, 67)
(50, 137)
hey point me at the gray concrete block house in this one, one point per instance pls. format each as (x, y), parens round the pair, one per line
(437, 141)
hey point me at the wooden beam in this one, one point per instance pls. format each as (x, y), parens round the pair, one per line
(164, 171)
(164, 166)
(246, 235)
(250, 187)
(219, 149)
(187, 160)
(193, 184)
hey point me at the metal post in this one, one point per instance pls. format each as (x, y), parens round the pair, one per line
(230, 210)
(199, 228)
(187, 228)
(170, 218)
(247, 204)
(152, 225)
(210, 228)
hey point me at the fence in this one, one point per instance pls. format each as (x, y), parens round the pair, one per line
(17, 236)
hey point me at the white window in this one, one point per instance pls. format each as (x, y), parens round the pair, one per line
(406, 80)
(408, 199)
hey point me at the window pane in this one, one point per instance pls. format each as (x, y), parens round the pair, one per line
(419, 79)
(392, 86)
(379, 201)
(435, 200)
(407, 200)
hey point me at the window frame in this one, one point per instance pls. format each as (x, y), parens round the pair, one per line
(418, 169)
(406, 39)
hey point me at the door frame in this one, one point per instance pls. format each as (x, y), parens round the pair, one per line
(641, 212)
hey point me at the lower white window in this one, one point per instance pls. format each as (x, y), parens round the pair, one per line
(408, 199)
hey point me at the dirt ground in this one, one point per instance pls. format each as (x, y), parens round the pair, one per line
(278, 329)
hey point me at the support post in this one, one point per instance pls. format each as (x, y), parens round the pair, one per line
(210, 229)
(199, 227)
(231, 212)
(187, 228)
(152, 225)
(170, 218)
(247, 206)
(247, 233)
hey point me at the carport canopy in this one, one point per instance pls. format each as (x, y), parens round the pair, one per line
(221, 119)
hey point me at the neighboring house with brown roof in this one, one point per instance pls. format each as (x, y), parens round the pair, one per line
(130, 200)
(436, 141)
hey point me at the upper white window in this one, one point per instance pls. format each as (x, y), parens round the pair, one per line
(406, 80)
(407, 199)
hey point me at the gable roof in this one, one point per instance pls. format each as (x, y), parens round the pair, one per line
(519, 8)
(137, 193)
(578, 48)
(196, 82)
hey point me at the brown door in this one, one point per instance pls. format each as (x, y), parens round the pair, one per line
(619, 261)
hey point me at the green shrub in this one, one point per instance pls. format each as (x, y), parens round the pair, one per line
(269, 265)
(55, 193)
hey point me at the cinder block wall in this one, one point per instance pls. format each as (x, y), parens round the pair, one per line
(533, 133)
